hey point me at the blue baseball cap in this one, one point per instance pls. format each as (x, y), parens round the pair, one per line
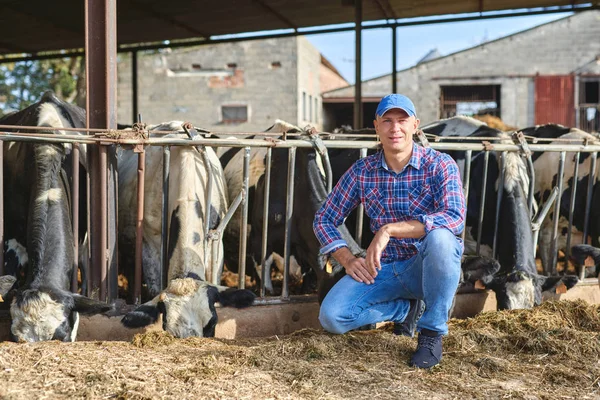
(396, 101)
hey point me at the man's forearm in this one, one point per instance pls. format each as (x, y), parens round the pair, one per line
(404, 230)
(343, 255)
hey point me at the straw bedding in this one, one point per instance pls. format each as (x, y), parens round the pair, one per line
(550, 352)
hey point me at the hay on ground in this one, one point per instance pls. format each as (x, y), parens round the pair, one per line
(551, 351)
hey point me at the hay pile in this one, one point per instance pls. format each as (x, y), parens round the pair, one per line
(549, 352)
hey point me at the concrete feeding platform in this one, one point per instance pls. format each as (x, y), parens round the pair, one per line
(265, 320)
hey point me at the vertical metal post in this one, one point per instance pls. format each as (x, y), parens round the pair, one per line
(466, 184)
(164, 252)
(482, 205)
(207, 201)
(394, 59)
(244, 220)
(572, 211)
(263, 251)
(498, 202)
(556, 215)
(2, 206)
(101, 73)
(289, 211)
(358, 65)
(588, 199)
(75, 216)
(360, 211)
(134, 86)
(139, 228)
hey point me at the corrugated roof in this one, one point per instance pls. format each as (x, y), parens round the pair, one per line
(31, 26)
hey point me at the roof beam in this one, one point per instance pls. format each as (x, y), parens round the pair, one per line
(386, 9)
(276, 13)
(144, 8)
(29, 16)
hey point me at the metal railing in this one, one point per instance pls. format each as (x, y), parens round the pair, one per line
(214, 237)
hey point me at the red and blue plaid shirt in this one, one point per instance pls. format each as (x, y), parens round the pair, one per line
(428, 190)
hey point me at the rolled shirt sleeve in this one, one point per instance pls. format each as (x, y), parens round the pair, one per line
(448, 197)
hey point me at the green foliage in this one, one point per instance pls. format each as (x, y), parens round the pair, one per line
(23, 83)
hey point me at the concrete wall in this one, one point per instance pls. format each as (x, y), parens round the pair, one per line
(309, 85)
(192, 84)
(556, 48)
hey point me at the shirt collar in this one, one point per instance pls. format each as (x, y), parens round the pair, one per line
(415, 158)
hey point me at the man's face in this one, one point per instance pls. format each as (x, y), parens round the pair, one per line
(395, 129)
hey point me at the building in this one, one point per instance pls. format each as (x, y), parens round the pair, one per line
(230, 87)
(550, 73)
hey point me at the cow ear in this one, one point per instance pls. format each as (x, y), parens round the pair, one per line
(238, 298)
(144, 315)
(479, 268)
(85, 305)
(551, 282)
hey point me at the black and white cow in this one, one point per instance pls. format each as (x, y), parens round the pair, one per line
(546, 177)
(38, 207)
(517, 284)
(309, 193)
(15, 258)
(188, 302)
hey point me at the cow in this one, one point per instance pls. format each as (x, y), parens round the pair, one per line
(546, 177)
(15, 258)
(187, 304)
(38, 212)
(588, 257)
(517, 283)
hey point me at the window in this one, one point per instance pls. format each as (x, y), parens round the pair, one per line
(276, 64)
(470, 100)
(232, 65)
(316, 110)
(304, 106)
(588, 117)
(310, 114)
(234, 114)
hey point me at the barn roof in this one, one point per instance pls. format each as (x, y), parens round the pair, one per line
(34, 26)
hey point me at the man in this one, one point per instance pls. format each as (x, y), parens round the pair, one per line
(414, 198)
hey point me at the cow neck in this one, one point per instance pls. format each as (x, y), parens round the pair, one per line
(50, 239)
(317, 192)
(515, 239)
(186, 235)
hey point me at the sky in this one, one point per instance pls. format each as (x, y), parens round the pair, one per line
(416, 41)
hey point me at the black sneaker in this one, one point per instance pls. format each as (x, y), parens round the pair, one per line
(408, 326)
(429, 351)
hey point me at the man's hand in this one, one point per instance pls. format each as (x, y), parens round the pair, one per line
(356, 267)
(378, 244)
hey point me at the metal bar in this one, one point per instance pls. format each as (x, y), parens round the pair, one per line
(101, 76)
(358, 64)
(208, 198)
(481, 206)
(244, 221)
(466, 182)
(164, 248)
(360, 211)
(588, 199)
(102, 250)
(537, 222)
(263, 251)
(556, 216)
(571, 212)
(394, 60)
(75, 217)
(139, 228)
(289, 211)
(499, 202)
(301, 31)
(531, 170)
(235, 142)
(134, 86)
(2, 272)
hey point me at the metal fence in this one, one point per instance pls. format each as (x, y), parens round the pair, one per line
(525, 146)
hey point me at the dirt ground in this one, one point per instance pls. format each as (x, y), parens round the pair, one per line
(550, 352)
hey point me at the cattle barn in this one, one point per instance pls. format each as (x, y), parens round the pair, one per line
(101, 19)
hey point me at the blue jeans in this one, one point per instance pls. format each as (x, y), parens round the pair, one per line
(432, 276)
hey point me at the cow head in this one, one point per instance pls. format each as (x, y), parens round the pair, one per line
(49, 314)
(187, 306)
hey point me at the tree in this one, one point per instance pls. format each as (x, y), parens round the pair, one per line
(23, 83)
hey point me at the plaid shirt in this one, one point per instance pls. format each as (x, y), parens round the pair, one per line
(428, 190)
